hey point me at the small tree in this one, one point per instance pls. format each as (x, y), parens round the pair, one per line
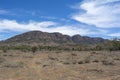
(34, 49)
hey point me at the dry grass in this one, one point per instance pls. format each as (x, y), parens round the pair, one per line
(63, 65)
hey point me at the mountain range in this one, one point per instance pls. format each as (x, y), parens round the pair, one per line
(39, 37)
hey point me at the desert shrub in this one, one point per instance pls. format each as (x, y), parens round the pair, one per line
(95, 60)
(73, 54)
(45, 65)
(5, 55)
(108, 62)
(2, 60)
(80, 62)
(14, 65)
(94, 52)
(117, 58)
(87, 61)
(95, 70)
(4, 48)
(23, 48)
(66, 63)
(37, 62)
(34, 49)
(98, 47)
(74, 62)
(116, 78)
(28, 56)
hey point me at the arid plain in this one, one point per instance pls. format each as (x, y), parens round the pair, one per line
(60, 65)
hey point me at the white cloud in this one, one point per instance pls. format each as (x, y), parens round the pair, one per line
(70, 30)
(15, 26)
(47, 26)
(115, 34)
(101, 13)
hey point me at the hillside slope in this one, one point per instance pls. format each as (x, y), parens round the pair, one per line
(51, 38)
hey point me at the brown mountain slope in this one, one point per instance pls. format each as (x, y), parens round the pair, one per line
(57, 38)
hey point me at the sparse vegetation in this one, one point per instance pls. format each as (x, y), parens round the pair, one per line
(108, 62)
(110, 45)
(14, 65)
(1, 60)
(54, 65)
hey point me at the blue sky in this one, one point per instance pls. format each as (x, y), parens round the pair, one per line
(95, 18)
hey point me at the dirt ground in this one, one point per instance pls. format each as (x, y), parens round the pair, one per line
(60, 65)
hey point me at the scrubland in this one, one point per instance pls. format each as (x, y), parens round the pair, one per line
(59, 65)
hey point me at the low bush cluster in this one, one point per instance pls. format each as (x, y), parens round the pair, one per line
(111, 45)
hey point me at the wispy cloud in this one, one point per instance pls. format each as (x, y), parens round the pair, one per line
(47, 26)
(3, 11)
(48, 17)
(101, 13)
